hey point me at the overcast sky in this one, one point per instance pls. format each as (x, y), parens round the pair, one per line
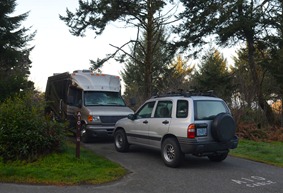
(57, 50)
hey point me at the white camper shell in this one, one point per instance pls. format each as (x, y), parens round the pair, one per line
(89, 81)
(96, 96)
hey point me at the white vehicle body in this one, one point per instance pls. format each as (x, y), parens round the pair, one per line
(96, 96)
(179, 124)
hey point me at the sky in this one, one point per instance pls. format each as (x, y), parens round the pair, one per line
(57, 50)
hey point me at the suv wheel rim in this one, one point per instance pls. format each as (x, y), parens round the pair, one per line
(169, 153)
(119, 141)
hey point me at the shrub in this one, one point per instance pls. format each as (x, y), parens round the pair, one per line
(25, 133)
(251, 131)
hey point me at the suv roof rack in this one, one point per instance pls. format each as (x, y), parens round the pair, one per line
(187, 94)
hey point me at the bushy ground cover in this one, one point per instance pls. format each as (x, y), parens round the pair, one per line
(25, 132)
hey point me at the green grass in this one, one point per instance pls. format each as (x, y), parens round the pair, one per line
(265, 152)
(63, 169)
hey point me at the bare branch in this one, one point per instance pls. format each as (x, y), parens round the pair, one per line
(120, 49)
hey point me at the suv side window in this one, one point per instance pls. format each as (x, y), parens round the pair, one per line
(182, 109)
(163, 109)
(146, 110)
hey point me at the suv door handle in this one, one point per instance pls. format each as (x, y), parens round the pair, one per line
(145, 122)
(165, 122)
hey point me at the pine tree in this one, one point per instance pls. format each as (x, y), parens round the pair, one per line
(176, 77)
(14, 51)
(213, 75)
(233, 21)
(136, 71)
(144, 15)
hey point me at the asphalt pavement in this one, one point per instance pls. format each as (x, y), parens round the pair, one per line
(148, 174)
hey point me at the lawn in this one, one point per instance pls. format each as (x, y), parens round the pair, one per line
(266, 152)
(63, 169)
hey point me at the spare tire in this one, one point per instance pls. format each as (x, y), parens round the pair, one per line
(223, 127)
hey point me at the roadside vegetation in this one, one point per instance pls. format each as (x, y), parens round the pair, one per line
(259, 144)
(25, 132)
(62, 169)
(34, 149)
(265, 152)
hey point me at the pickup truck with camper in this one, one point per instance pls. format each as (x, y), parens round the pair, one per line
(96, 96)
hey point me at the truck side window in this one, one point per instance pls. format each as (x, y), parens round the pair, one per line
(76, 96)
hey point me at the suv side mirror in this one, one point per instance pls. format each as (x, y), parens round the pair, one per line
(132, 117)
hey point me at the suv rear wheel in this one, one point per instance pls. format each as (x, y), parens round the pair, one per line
(171, 153)
(120, 141)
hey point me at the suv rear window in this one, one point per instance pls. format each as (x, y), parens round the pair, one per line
(207, 110)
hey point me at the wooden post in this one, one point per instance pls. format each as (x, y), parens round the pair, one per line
(78, 136)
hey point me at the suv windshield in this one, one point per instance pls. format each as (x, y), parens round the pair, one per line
(207, 110)
(102, 98)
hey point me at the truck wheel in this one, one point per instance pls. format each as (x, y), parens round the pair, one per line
(84, 136)
(120, 141)
(218, 157)
(171, 153)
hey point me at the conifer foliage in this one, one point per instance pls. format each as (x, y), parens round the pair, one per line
(14, 51)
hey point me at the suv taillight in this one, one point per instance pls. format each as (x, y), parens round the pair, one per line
(191, 133)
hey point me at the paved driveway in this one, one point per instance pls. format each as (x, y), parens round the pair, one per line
(197, 175)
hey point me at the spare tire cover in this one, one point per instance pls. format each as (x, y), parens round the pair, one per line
(223, 127)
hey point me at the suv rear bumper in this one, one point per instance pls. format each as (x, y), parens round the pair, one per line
(192, 146)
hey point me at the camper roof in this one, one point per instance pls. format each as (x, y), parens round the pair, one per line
(88, 80)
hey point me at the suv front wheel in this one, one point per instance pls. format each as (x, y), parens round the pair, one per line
(171, 153)
(120, 141)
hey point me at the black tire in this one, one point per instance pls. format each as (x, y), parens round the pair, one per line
(85, 138)
(218, 157)
(120, 141)
(223, 127)
(171, 153)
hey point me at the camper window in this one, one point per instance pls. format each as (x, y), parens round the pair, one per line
(99, 98)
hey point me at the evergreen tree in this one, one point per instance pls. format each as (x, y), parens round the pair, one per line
(245, 88)
(145, 15)
(14, 51)
(232, 21)
(135, 72)
(176, 77)
(213, 75)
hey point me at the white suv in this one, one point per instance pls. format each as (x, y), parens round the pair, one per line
(179, 124)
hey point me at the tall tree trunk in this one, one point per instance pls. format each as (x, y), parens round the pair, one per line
(282, 111)
(261, 101)
(249, 34)
(149, 51)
